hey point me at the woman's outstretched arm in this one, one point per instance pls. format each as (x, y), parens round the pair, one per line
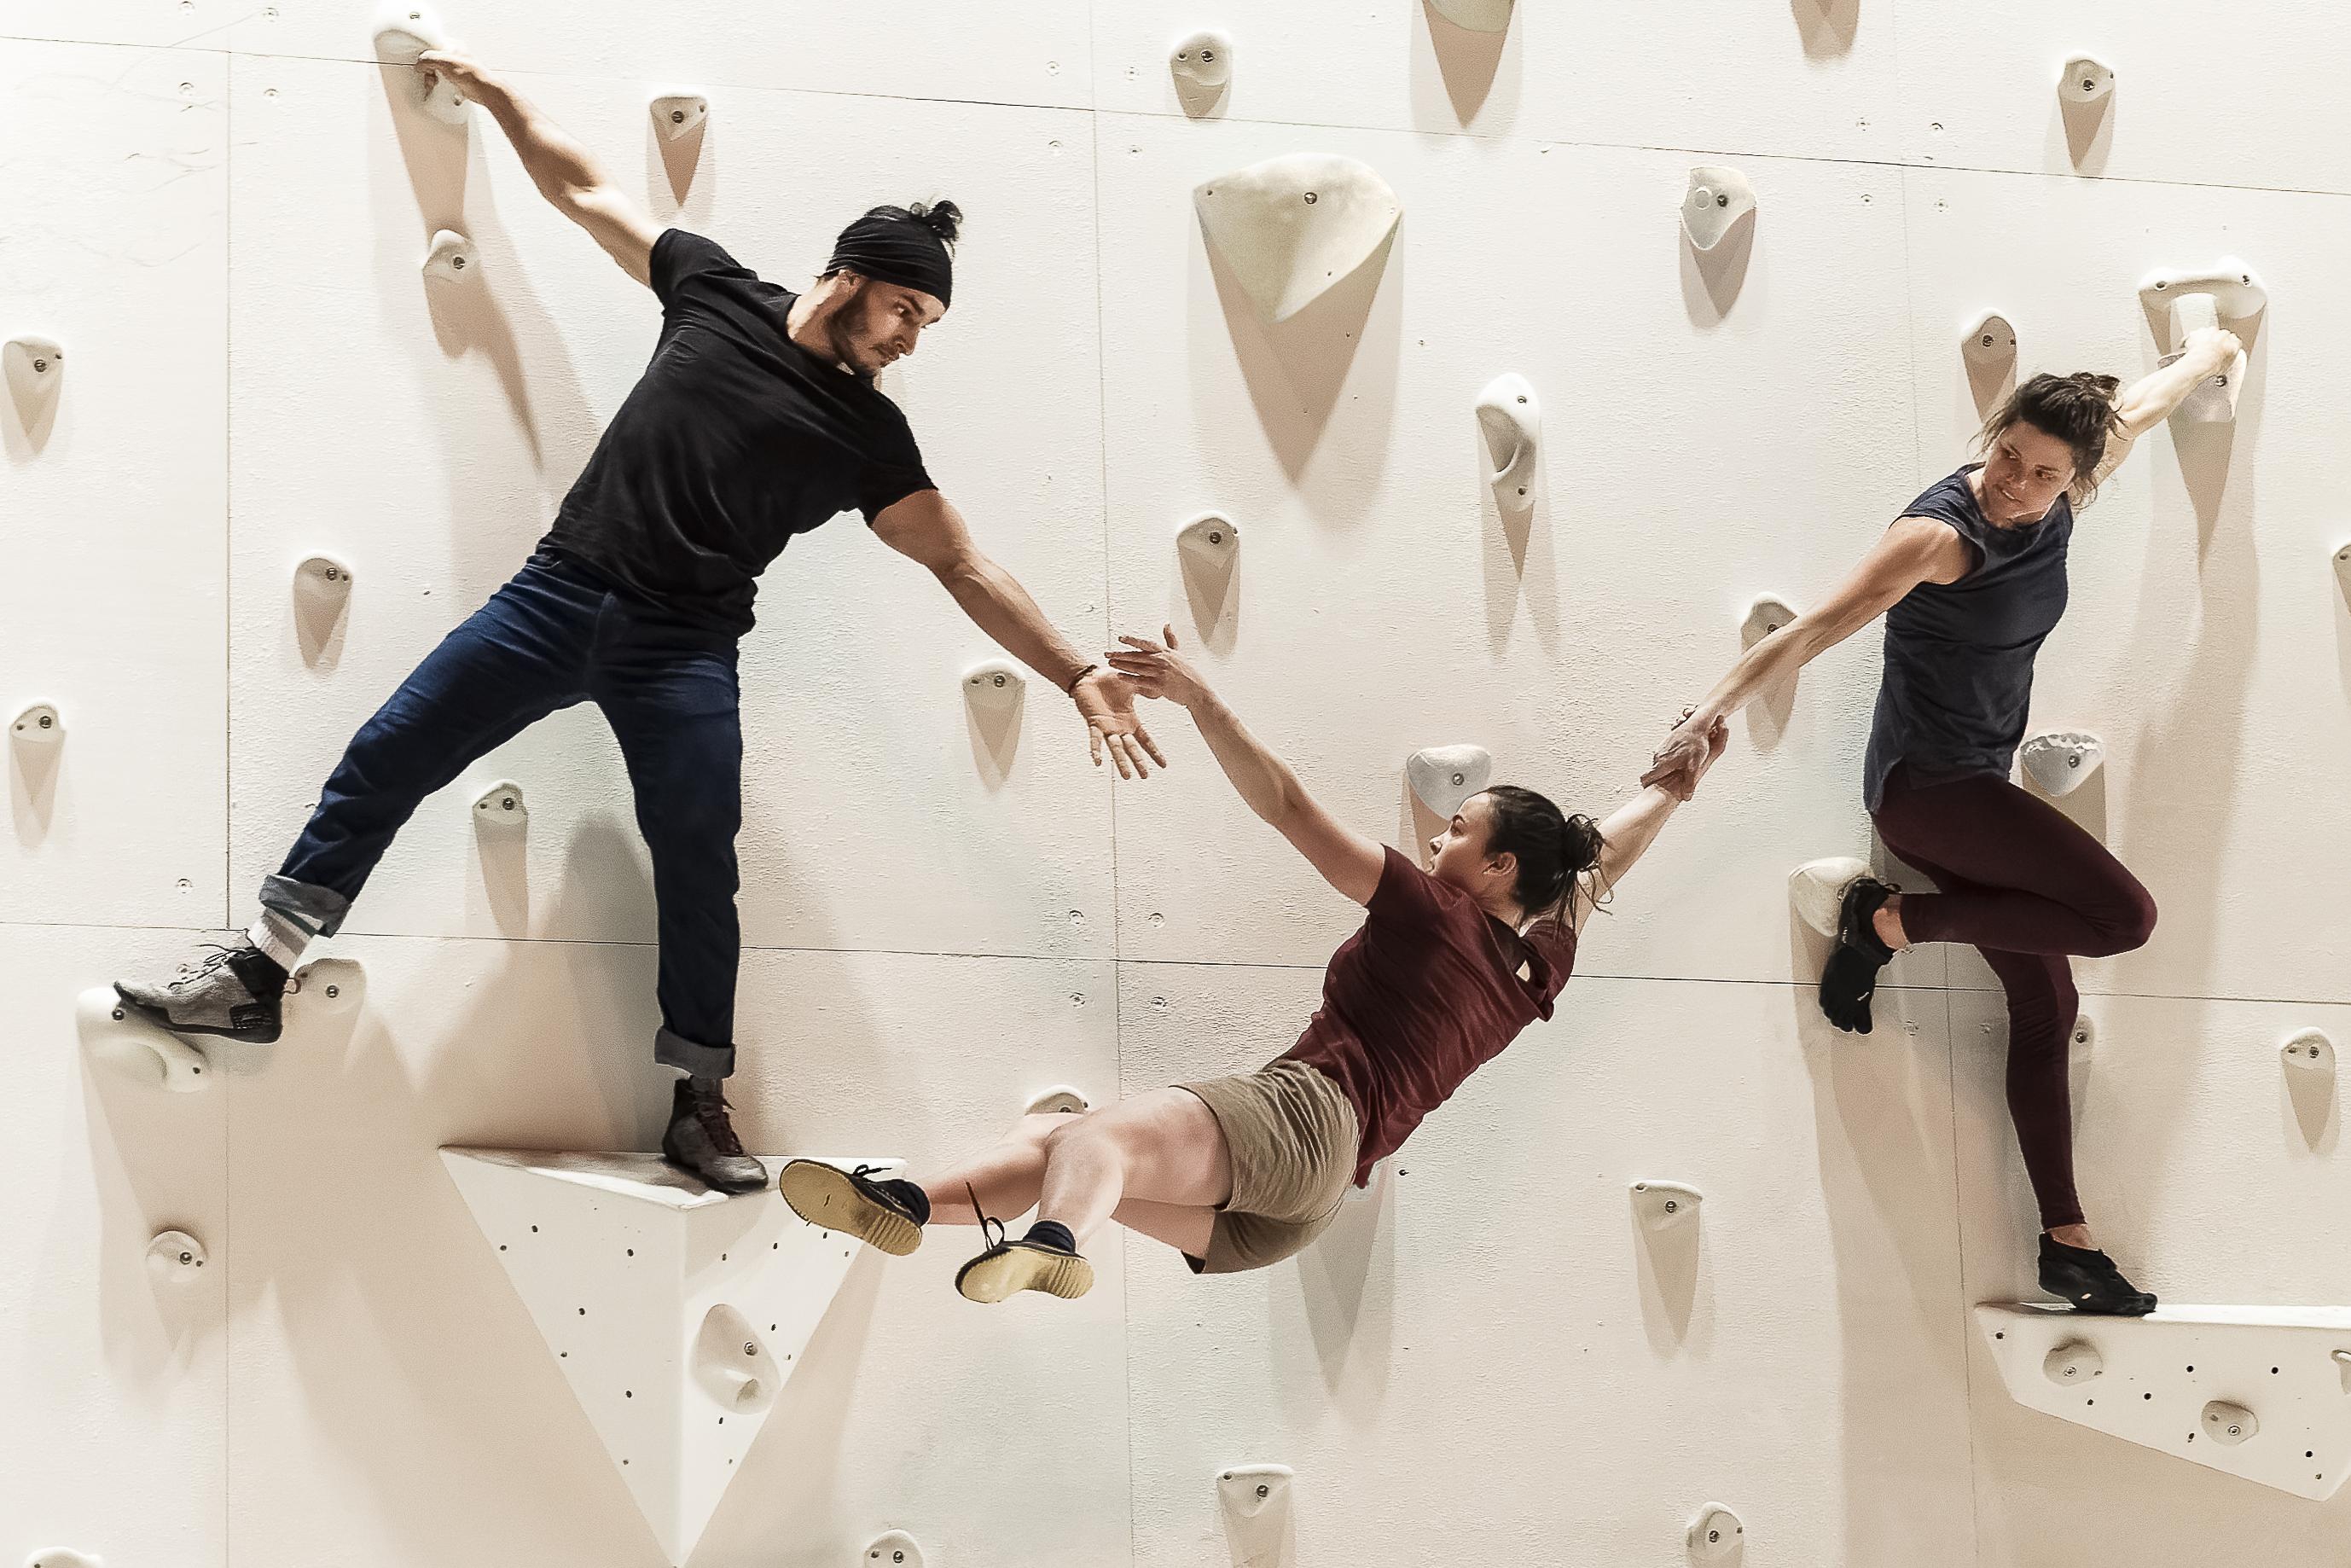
(1348, 861)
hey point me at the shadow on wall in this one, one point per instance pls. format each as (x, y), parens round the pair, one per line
(1296, 370)
(1469, 62)
(1827, 26)
(2189, 757)
(493, 312)
(1346, 1286)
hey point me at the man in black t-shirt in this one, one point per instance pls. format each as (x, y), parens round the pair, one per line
(756, 419)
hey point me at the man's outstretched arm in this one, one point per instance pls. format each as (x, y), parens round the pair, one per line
(556, 164)
(923, 527)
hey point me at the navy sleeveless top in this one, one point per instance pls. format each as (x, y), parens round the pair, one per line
(1959, 656)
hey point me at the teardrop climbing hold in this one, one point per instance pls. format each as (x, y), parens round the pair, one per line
(1203, 59)
(35, 369)
(1716, 198)
(1212, 538)
(501, 806)
(39, 724)
(1665, 1205)
(1989, 342)
(174, 1257)
(1293, 226)
(1511, 419)
(1476, 16)
(1765, 615)
(2309, 1050)
(1716, 1535)
(1060, 1100)
(995, 685)
(677, 115)
(451, 256)
(1442, 777)
(2226, 291)
(895, 1549)
(1817, 889)
(2059, 760)
(402, 34)
(2086, 79)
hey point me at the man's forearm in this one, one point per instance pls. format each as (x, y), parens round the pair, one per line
(1000, 607)
(558, 165)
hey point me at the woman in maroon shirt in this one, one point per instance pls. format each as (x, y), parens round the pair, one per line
(1240, 1172)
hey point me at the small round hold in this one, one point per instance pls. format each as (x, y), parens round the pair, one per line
(174, 1257)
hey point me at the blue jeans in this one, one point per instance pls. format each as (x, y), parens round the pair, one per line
(554, 637)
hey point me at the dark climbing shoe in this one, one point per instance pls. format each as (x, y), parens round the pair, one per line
(701, 1141)
(1849, 979)
(1009, 1268)
(237, 992)
(852, 1203)
(2089, 1282)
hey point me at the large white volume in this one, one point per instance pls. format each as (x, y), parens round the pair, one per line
(677, 1311)
(1291, 227)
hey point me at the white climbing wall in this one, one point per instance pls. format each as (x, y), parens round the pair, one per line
(221, 214)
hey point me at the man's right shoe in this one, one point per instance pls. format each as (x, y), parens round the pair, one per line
(852, 1203)
(701, 1141)
(235, 992)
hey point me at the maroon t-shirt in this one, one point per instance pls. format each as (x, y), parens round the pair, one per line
(1426, 993)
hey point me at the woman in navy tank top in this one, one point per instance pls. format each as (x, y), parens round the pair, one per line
(1971, 578)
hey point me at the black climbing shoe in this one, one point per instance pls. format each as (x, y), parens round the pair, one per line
(234, 991)
(1009, 1268)
(1849, 979)
(854, 1204)
(701, 1141)
(2089, 1281)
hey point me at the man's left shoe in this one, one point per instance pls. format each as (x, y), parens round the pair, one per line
(701, 1141)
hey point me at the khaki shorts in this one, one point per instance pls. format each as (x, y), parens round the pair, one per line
(1294, 1140)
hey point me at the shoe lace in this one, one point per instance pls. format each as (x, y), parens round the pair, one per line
(710, 1110)
(204, 968)
(991, 1230)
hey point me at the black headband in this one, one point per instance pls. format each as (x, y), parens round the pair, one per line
(890, 244)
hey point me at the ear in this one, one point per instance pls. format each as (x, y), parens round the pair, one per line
(1505, 864)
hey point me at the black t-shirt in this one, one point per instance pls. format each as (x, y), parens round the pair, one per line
(734, 439)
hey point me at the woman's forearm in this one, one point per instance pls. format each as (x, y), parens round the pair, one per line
(1261, 779)
(1758, 670)
(2149, 400)
(1631, 829)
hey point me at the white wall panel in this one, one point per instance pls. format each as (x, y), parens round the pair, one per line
(1810, 78)
(193, 25)
(393, 1402)
(1029, 51)
(1704, 447)
(2204, 641)
(112, 512)
(113, 1426)
(2211, 1177)
(1489, 1364)
(2249, 97)
(427, 436)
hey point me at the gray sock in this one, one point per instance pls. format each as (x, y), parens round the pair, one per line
(280, 938)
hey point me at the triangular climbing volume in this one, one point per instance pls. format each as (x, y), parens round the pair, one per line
(675, 1312)
(2263, 1392)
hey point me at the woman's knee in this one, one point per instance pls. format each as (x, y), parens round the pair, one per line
(2126, 921)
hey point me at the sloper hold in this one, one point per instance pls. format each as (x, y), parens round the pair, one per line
(1817, 889)
(1293, 226)
(676, 114)
(402, 34)
(451, 256)
(2060, 759)
(1665, 1205)
(1060, 1099)
(2072, 1364)
(2309, 1050)
(1716, 1535)
(1765, 615)
(63, 1557)
(39, 724)
(1510, 418)
(174, 1257)
(1255, 1501)
(35, 369)
(651, 1286)
(1203, 60)
(1442, 777)
(501, 806)
(1211, 539)
(2086, 79)
(2177, 1380)
(2342, 559)
(1987, 340)
(996, 684)
(1717, 197)
(1478, 15)
(115, 1034)
(894, 1549)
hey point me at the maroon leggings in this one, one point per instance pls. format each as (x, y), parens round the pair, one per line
(2025, 887)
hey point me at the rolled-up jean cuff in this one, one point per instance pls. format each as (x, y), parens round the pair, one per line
(317, 910)
(672, 1048)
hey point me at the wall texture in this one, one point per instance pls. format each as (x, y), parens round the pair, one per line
(220, 210)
